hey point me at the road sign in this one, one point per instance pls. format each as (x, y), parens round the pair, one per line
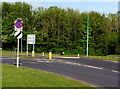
(31, 39)
(18, 34)
(18, 28)
(18, 25)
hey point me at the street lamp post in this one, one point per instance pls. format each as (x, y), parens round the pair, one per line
(87, 33)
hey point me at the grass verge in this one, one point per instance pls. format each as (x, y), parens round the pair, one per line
(108, 57)
(26, 77)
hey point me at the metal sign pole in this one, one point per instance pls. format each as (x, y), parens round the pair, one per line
(18, 24)
(33, 43)
(27, 49)
(21, 40)
(33, 47)
(87, 32)
(33, 53)
(21, 45)
(18, 54)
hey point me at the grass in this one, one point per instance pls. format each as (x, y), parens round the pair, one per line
(8, 53)
(108, 57)
(26, 77)
(14, 54)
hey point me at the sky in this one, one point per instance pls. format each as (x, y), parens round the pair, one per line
(63, 0)
(103, 6)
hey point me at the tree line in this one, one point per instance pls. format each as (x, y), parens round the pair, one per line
(60, 29)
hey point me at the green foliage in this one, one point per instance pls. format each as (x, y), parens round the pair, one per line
(59, 29)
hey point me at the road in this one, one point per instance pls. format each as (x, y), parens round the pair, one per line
(102, 75)
(93, 62)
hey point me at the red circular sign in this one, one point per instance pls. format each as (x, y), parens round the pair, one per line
(18, 24)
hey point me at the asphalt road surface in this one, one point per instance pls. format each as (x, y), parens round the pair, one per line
(97, 73)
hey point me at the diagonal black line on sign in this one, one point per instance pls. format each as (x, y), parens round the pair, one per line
(18, 34)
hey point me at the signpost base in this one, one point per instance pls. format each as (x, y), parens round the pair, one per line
(26, 53)
(17, 62)
(33, 53)
(43, 53)
(18, 54)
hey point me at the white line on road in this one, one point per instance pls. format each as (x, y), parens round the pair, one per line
(40, 61)
(45, 61)
(115, 71)
(93, 67)
(72, 63)
(82, 65)
(85, 65)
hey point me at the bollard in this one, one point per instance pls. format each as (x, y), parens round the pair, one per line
(33, 53)
(78, 56)
(50, 55)
(43, 53)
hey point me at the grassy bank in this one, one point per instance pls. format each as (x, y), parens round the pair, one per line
(108, 57)
(26, 77)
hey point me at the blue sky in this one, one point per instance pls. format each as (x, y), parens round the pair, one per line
(102, 6)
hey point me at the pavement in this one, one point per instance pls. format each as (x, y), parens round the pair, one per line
(97, 73)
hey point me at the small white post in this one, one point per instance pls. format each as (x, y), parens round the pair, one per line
(43, 53)
(18, 54)
(78, 55)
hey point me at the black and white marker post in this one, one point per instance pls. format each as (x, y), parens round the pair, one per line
(18, 28)
(18, 53)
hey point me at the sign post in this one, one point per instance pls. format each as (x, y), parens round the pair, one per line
(21, 45)
(31, 40)
(18, 28)
(18, 53)
(27, 50)
(87, 33)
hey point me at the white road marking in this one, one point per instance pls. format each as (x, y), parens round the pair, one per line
(45, 61)
(93, 67)
(68, 62)
(115, 71)
(85, 65)
(72, 63)
(40, 61)
(82, 65)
